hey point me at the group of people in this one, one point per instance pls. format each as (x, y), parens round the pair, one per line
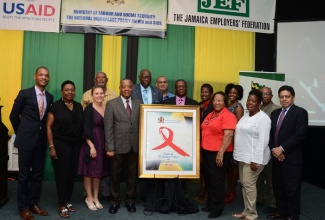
(239, 145)
(98, 139)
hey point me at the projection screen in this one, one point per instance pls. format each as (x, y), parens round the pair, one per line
(301, 56)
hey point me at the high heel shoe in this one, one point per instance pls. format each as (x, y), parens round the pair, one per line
(90, 205)
(230, 198)
(98, 205)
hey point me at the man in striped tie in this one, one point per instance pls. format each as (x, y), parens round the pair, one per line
(28, 118)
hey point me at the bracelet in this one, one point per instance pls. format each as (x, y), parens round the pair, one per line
(51, 145)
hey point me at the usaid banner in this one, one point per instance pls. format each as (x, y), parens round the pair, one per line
(243, 15)
(30, 15)
(117, 17)
(256, 80)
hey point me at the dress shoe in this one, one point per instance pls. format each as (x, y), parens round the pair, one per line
(276, 215)
(37, 210)
(269, 210)
(131, 208)
(26, 214)
(214, 215)
(113, 209)
(206, 209)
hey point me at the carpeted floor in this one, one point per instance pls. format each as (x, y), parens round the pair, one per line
(312, 205)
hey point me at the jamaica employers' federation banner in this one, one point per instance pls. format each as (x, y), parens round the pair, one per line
(30, 15)
(118, 17)
(244, 15)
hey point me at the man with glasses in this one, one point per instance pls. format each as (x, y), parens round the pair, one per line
(265, 194)
(180, 98)
(144, 91)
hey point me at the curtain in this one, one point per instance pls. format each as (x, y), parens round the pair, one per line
(98, 53)
(172, 57)
(11, 48)
(111, 60)
(220, 55)
(63, 55)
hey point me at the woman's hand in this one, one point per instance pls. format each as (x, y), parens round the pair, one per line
(53, 153)
(254, 166)
(93, 152)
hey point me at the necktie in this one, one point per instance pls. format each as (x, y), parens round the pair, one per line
(180, 102)
(278, 126)
(128, 109)
(145, 96)
(41, 105)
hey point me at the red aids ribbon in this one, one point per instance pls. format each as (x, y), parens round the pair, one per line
(169, 142)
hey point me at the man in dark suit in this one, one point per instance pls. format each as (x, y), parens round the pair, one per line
(180, 98)
(28, 118)
(148, 95)
(121, 123)
(144, 91)
(289, 126)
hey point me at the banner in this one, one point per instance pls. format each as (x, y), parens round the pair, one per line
(30, 15)
(117, 17)
(257, 80)
(244, 15)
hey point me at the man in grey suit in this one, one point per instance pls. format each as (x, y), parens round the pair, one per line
(28, 118)
(144, 91)
(121, 123)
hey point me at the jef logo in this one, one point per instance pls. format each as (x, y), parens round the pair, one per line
(225, 7)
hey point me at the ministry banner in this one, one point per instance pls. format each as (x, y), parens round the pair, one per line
(244, 15)
(116, 17)
(30, 15)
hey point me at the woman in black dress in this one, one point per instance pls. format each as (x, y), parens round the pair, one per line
(64, 130)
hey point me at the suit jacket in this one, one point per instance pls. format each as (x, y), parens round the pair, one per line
(269, 108)
(156, 94)
(25, 118)
(121, 133)
(188, 101)
(292, 133)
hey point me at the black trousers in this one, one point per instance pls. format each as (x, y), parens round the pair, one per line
(127, 162)
(31, 167)
(215, 178)
(287, 188)
(65, 169)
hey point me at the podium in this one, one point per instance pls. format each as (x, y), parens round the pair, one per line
(4, 137)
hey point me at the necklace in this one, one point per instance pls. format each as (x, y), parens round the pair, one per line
(67, 103)
(213, 116)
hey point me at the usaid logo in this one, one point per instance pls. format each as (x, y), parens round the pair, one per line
(225, 7)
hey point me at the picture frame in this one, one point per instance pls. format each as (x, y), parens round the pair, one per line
(169, 141)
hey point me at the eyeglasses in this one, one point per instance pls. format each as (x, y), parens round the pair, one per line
(285, 96)
(267, 93)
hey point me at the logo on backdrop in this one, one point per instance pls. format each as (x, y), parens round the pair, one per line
(233, 8)
(256, 85)
(116, 1)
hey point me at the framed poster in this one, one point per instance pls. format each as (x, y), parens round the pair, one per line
(169, 141)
